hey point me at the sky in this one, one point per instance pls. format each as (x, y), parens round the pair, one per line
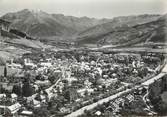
(89, 8)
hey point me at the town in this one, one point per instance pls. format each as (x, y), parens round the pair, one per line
(53, 65)
(57, 83)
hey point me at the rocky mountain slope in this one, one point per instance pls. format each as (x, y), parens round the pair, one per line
(42, 24)
(119, 31)
(126, 31)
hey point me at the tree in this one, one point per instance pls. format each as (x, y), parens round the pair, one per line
(55, 103)
(27, 89)
(51, 78)
(67, 95)
(86, 93)
(41, 112)
(5, 71)
(19, 60)
(54, 76)
(17, 90)
(87, 112)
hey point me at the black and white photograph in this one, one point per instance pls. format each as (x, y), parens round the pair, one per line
(83, 58)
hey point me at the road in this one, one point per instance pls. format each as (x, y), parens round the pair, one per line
(48, 90)
(91, 106)
(148, 103)
(148, 82)
(100, 102)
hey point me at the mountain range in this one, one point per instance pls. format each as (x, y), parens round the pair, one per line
(126, 31)
(84, 31)
(42, 24)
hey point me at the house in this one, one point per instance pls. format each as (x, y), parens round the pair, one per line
(130, 97)
(42, 96)
(35, 103)
(82, 91)
(98, 113)
(114, 105)
(13, 109)
(7, 87)
(14, 97)
(29, 64)
(2, 110)
(26, 113)
(42, 83)
(64, 110)
(14, 65)
(46, 64)
(2, 96)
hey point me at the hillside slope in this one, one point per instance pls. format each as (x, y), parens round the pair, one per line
(141, 29)
(14, 48)
(55, 29)
(36, 24)
(42, 24)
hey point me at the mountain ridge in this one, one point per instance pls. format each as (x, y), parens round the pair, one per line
(43, 24)
(124, 33)
(120, 30)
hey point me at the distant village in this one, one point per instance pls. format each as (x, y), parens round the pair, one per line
(46, 83)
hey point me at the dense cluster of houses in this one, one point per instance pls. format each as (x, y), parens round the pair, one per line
(64, 82)
(122, 106)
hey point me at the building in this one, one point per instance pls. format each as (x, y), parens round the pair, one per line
(28, 63)
(7, 87)
(2, 110)
(25, 113)
(14, 65)
(13, 109)
(14, 97)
